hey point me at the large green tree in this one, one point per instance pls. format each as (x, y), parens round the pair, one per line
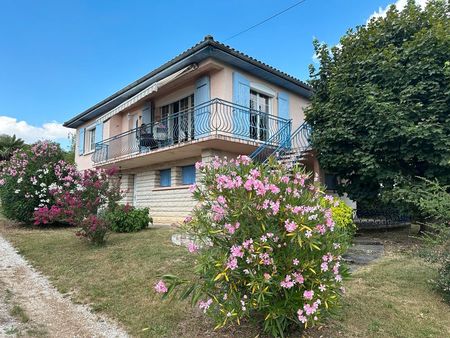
(381, 106)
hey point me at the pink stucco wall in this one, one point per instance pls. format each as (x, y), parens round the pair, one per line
(221, 86)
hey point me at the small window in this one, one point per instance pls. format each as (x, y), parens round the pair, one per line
(188, 174)
(331, 181)
(165, 178)
(90, 139)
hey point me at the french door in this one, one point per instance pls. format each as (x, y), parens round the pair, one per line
(259, 116)
(180, 119)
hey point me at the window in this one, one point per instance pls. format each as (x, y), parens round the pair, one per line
(179, 118)
(165, 178)
(188, 174)
(90, 139)
(261, 106)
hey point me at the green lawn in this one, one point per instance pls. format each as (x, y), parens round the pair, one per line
(390, 298)
(116, 279)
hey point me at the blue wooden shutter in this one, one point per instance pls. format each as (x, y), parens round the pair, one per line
(188, 174)
(147, 113)
(165, 177)
(283, 112)
(202, 113)
(241, 96)
(81, 141)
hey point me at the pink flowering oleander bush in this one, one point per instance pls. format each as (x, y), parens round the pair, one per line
(265, 245)
(28, 177)
(95, 190)
(86, 205)
(94, 229)
(37, 185)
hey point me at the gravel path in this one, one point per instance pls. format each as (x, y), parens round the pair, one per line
(47, 312)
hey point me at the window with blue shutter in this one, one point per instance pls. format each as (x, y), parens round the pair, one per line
(283, 112)
(81, 142)
(188, 174)
(165, 178)
(241, 114)
(202, 114)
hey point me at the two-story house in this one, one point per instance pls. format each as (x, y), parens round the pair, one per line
(211, 100)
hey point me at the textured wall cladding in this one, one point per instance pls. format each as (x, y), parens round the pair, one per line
(166, 206)
(126, 186)
(145, 183)
(174, 204)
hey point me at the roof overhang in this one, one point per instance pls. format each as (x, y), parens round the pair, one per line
(202, 51)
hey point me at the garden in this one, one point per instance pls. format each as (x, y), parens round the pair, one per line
(265, 255)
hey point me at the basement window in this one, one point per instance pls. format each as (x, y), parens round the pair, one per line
(188, 174)
(165, 178)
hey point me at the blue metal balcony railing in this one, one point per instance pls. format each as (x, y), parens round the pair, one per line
(295, 144)
(279, 140)
(215, 117)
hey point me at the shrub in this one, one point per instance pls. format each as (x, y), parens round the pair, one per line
(97, 191)
(343, 219)
(27, 178)
(126, 218)
(432, 203)
(94, 229)
(266, 247)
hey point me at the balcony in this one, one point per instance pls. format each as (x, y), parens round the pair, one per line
(213, 119)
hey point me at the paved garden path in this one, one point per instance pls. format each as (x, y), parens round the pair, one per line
(31, 306)
(363, 252)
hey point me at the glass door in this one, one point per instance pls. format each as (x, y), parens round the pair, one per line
(186, 118)
(259, 116)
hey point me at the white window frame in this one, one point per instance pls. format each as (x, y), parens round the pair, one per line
(89, 139)
(270, 97)
(263, 89)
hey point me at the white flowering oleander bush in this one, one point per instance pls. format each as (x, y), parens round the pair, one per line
(37, 185)
(265, 247)
(95, 194)
(27, 178)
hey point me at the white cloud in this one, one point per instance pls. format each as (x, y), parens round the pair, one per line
(49, 131)
(400, 4)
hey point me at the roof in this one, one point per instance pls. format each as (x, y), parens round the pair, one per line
(206, 48)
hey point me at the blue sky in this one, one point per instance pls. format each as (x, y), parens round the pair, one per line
(58, 58)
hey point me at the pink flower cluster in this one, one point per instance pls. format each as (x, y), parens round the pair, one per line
(231, 228)
(330, 260)
(204, 305)
(290, 280)
(160, 287)
(268, 227)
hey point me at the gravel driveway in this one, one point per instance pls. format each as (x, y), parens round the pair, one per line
(31, 306)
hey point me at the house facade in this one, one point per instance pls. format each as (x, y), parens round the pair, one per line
(209, 101)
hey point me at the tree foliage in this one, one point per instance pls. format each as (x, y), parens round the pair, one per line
(8, 144)
(381, 109)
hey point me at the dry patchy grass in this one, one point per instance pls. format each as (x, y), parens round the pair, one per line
(390, 298)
